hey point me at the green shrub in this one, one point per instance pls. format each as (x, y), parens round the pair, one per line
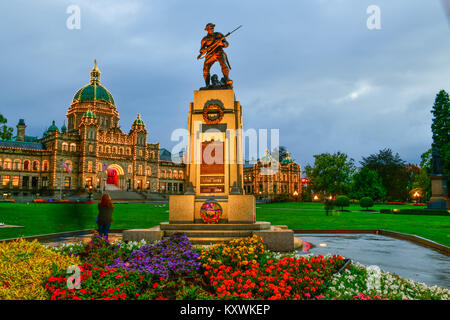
(342, 201)
(366, 202)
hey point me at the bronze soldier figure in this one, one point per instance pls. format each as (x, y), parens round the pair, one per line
(212, 45)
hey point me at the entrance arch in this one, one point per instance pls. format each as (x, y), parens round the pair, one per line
(115, 176)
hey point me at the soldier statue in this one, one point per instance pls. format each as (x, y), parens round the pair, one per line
(436, 161)
(212, 50)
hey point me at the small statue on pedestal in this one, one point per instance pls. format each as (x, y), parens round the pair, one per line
(211, 49)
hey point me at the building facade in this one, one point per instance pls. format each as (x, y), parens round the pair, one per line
(269, 179)
(92, 152)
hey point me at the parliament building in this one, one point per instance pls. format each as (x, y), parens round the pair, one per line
(93, 153)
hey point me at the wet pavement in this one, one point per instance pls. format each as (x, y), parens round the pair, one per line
(401, 257)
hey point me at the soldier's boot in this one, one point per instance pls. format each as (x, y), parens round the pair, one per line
(208, 80)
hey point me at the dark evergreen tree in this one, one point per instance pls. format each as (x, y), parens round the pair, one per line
(440, 128)
(392, 171)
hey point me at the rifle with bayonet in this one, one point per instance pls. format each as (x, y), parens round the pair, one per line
(214, 46)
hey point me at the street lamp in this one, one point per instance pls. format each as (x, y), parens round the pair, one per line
(295, 195)
(416, 196)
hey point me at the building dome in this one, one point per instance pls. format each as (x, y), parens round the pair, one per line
(94, 91)
(64, 128)
(89, 114)
(267, 158)
(287, 159)
(138, 120)
(53, 127)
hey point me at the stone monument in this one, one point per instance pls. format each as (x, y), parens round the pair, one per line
(439, 191)
(214, 207)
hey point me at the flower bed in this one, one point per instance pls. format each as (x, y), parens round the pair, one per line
(173, 269)
(352, 284)
(169, 258)
(23, 267)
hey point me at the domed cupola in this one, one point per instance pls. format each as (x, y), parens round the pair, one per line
(94, 91)
(287, 159)
(89, 114)
(138, 120)
(52, 128)
(64, 128)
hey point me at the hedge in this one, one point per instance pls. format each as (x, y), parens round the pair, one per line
(424, 212)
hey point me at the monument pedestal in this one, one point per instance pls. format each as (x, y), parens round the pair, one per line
(439, 193)
(214, 209)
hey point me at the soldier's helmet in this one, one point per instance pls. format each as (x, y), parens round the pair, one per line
(210, 25)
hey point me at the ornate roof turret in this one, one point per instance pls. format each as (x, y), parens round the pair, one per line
(64, 128)
(267, 158)
(138, 120)
(52, 128)
(89, 114)
(94, 91)
(287, 159)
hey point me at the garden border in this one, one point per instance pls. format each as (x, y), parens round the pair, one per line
(393, 234)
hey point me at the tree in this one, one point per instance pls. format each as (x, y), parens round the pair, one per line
(440, 128)
(5, 131)
(422, 179)
(367, 183)
(342, 201)
(366, 202)
(392, 171)
(331, 174)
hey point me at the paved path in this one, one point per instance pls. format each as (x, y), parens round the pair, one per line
(402, 257)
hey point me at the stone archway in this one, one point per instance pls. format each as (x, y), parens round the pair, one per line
(115, 177)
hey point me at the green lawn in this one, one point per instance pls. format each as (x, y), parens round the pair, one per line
(45, 218)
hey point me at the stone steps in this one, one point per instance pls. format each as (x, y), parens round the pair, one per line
(207, 241)
(195, 234)
(183, 227)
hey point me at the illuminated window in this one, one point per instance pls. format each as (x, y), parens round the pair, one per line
(69, 165)
(181, 175)
(6, 180)
(130, 169)
(99, 167)
(67, 182)
(107, 149)
(89, 166)
(175, 174)
(129, 151)
(16, 164)
(45, 165)
(170, 173)
(141, 153)
(26, 165)
(91, 148)
(114, 149)
(65, 146)
(7, 164)
(35, 165)
(100, 148)
(149, 171)
(16, 181)
(120, 150)
(140, 170)
(73, 147)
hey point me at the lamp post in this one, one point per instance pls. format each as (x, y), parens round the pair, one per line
(295, 195)
(416, 196)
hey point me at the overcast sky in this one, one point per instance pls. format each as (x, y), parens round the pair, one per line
(310, 68)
